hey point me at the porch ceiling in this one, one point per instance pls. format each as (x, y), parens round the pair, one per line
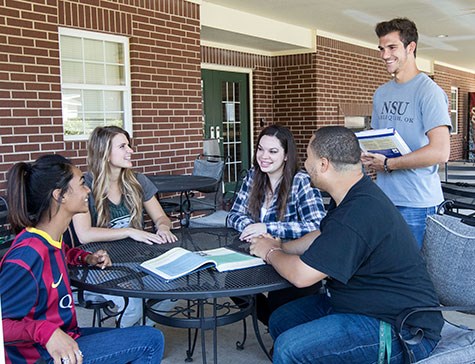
(348, 20)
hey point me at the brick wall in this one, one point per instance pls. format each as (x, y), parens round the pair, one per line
(347, 74)
(295, 96)
(165, 75)
(446, 78)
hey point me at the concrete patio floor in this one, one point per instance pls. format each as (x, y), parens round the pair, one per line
(176, 341)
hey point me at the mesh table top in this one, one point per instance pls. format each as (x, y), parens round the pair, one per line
(125, 278)
(181, 182)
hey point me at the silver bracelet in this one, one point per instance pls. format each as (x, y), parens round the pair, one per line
(270, 251)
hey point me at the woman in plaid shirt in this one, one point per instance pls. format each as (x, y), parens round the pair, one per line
(276, 198)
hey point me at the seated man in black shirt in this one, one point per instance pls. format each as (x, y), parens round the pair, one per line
(371, 262)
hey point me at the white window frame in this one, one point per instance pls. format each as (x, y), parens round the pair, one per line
(454, 93)
(125, 89)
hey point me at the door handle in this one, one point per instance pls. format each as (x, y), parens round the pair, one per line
(211, 132)
(218, 133)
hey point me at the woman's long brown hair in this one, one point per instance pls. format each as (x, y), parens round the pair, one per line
(261, 181)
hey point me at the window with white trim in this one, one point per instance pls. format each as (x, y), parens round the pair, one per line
(95, 82)
(454, 101)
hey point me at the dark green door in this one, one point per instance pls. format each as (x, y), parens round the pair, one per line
(226, 118)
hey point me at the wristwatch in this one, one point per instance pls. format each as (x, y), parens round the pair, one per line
(385, 165)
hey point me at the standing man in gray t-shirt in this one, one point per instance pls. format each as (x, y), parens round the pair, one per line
(417, 108)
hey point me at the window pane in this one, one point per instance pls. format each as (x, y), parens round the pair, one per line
(72, 112)
(115, 75)
(236, 111)
(230, 114)
(72, 103)
(114, 52)
(71, 72)
(92, 120)
(113, 101)
(93, 101)
(73, 126)
(116, 119)
(71, 47)
(453, 118)
(230, 89)
(236, 91)
(95, 73)
(93, 50)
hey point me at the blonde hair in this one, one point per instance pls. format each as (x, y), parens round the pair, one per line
(98, 152)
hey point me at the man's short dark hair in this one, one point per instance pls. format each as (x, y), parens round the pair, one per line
(407, 30)
(337, 144)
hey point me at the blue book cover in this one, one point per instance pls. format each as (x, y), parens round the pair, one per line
(383, 141)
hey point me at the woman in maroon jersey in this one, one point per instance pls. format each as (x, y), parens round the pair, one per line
(39, 317)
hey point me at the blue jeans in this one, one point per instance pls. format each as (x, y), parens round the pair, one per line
(138, 345)
(306, 331)
(416, 219)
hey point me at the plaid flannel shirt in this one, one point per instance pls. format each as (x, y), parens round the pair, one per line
(303, 212)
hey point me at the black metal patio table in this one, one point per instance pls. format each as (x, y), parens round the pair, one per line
(200, 290)
(184, 184)
(180, 182)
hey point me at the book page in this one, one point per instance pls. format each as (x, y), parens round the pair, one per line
(175, 263)
(227, 259)
(384, 146)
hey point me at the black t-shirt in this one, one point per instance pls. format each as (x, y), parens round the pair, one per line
(372, 260)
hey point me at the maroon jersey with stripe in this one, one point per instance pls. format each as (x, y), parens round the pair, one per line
(36, 294)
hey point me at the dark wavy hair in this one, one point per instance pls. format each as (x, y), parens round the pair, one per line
(30, 189)
(261, 181)
(407, 30)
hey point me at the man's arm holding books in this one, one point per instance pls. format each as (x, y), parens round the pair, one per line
(435, 152)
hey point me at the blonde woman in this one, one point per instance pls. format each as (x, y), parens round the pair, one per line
(118, 194)
(116, 203)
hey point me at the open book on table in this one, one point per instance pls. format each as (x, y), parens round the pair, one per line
(178, 262)
(383, 141)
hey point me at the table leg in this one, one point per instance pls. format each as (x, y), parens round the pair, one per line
(186, 207)
(214, 325)
(240, 344)
(119, 319)
(255, 323)
(215, 333)
(222, 314)
(201, 310)
(191, 345)
(191, 342)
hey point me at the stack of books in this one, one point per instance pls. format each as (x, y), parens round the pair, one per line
(383, 141)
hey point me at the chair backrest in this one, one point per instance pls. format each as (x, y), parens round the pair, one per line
(211, 147)
(230, 195)
(459, 172)
(4, 227)
(449, 250)
(70, 237)
(459, 209)
(210, 166)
